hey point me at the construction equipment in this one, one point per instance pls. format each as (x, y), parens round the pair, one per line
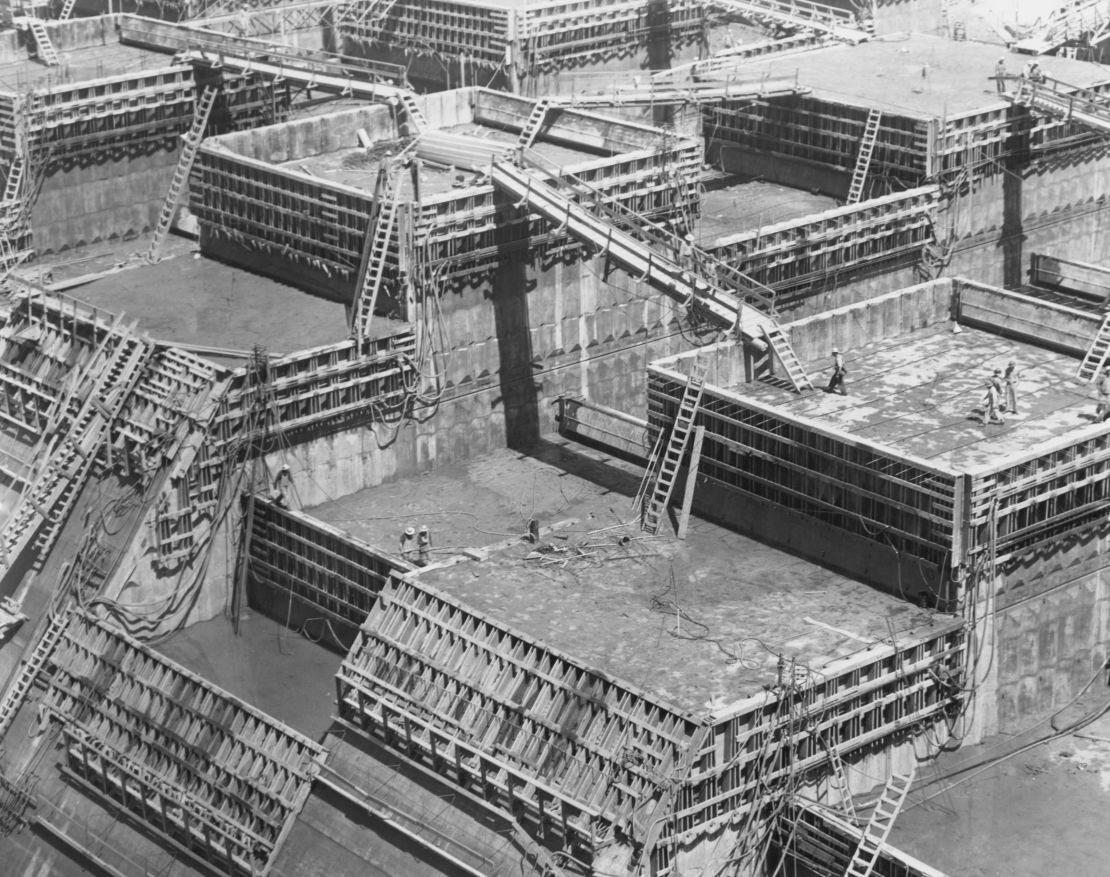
(1095, 357)
(387, 200)
(671, 459)
(881, 822)
(535, 121)
(1089, 19)
(191, 144)
(863, 159)
(779, 342)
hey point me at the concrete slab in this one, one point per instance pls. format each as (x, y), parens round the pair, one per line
(79, 65)
(922, 394)
(749, 204)
(698, 623)
(915, 74)
(192, 300)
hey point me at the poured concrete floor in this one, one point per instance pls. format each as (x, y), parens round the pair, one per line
(915, 74)
(922, 394)
(616, 607)
(193, 300)
(751, 204)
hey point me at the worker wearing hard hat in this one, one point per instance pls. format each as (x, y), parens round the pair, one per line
(408, 545)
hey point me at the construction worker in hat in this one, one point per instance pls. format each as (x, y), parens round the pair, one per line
(282, 483)
(836, 382)
(1000, 74)
(408, 544)
(423, 545)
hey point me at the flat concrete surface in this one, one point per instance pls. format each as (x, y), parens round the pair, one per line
(79, 66)
(915, 74)
(279, 671)
(193, 300)
(700, 623)
(923, 394)
(750, 204)
(358, 167)
(1035, 813)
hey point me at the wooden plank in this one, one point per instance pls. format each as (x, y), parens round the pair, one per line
(691, 479)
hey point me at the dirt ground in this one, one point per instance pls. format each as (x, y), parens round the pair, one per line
(1043, 812)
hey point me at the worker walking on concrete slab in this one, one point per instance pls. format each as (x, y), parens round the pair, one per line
(836, 382)
(423, 545)
(1009, 378)
(1000, 74)
(408, 545)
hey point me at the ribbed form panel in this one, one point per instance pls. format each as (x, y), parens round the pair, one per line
(185, 758)
(578, 754)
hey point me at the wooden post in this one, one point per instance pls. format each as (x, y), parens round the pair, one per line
(691, 477)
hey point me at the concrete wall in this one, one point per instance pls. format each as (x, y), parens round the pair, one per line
(912, 16)
(111, 199)
(533, 334)
(1030, 319)
(315, 135)
(1052, 630)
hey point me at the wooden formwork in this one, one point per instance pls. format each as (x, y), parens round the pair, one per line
(817, 471)
(785, 737)
(315, 564)
(820, 131)
(578, 756)
(219, 779)
(797, 253)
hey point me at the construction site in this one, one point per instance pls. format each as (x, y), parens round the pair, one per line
(571, 438)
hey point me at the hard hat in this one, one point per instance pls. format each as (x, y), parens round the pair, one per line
(285, 467)
(409, 531)
(836, 350)
(423, 528)
(690, 238)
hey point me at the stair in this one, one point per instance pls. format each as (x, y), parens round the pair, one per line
(534, 123)
(67, 10)
(779, 342)
(192, 141)
(671, 459)
(375, 255)
(1095, 357)
(863, 160)
(47, 53)
(881, 822)
(415, 116)
(26, 675)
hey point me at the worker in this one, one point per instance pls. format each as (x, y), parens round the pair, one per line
(1102, 412)
(1038, 74)
(282, 483)
(685, 253)
(1010, 379)
(996, 380)
(423, 545)
(1000, 74)
(408, 544)
(836, 382)
(991, 403)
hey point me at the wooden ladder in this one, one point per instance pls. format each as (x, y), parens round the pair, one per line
(46, 50)
(671, 458)
(27, 674)
(67, 10)
(181, 173)
(376, 250)
(534, 123)
(415, 116)
(14, 181)
(1095, 357)
(838, 780)
(881, 822)
(780, 345)
(863, 160)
